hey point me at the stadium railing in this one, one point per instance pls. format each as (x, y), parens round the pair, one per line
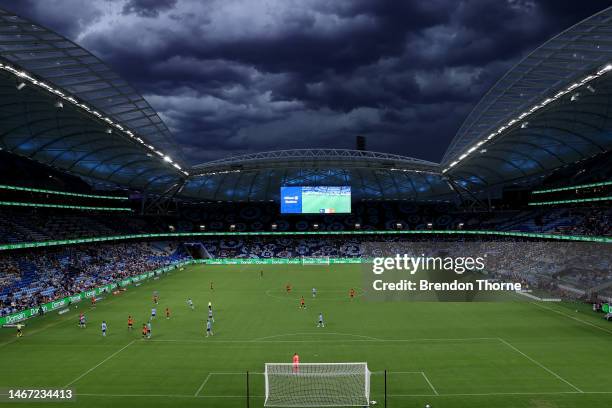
(63, 206)
(571, 201)
(558, 237)
(58, 192)
(576, 187)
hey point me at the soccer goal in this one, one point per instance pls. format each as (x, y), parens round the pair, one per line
(317, 385)
(315, 260)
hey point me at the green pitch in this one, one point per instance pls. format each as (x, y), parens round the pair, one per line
(313, 203)
(455, 355)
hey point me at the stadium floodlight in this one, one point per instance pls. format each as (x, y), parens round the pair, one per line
(357, 226)
(429, 225)
(460, 226)
(273, 227)
(171, 228)
(315, 226)
(202, 227)
(20, 86)
(317, 385)
(399, 226)
(59, 104)
(232, 227)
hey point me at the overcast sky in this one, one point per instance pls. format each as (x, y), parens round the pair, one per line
(239, 76)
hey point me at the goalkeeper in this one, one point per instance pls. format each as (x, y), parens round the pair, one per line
(296, 362)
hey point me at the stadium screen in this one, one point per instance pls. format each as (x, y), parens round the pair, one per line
(316, 200)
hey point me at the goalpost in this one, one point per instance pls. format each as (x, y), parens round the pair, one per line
(317, 385)
(315, 260)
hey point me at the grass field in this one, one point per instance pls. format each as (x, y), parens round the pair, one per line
(445, 354)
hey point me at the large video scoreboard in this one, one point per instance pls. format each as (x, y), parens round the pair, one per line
(316, 200)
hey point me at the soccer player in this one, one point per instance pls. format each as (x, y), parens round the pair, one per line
(321, 322)
(144, 331)
(19, 330)
(288, 288)
(209, 331)
(352, 293)
(190, 303)
(149, 329)
(103, 328)
(212, 286)
(156, 298)
(209, 305)
(82, 320)
(93, 301)
(314, 292)
(167, 313)
(153, 313)
(261, 274)
(296, 362)
(302, 303)
(130, 323)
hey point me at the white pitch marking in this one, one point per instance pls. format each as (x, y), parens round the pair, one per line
(541, 365)
(202, 385)
(572, 317)
(99, 364)
(429, 382)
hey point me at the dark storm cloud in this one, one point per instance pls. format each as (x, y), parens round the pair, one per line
(235, 76)
(148, 8)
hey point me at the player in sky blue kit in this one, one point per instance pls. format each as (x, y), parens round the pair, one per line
(321, 322)
(209, 331)
(314, 292)
(103, 328)
(153, 313)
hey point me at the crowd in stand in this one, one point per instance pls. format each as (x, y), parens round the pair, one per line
(29, 279)
(24, 225)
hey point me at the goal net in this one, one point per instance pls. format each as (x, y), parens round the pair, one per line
(317, 385)
(315, 260)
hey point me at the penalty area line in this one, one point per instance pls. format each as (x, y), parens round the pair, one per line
(541, 366)
(202, 385)
(99, 364)
(429, 382)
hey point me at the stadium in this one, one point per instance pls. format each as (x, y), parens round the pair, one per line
(304, 277)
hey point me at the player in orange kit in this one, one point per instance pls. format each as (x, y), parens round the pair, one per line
(296, 363)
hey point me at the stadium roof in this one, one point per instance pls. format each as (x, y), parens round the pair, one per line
(65, 108)
(551, 109)
(372, 175)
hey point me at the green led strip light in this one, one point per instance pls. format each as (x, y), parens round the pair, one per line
(72, 207)
(578, 187)
(576, 200)
(557, 237)
(64, 193)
